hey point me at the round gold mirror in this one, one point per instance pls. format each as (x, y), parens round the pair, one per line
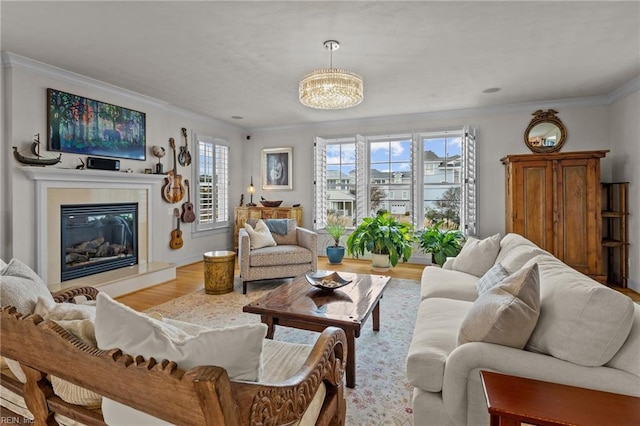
(546, 132)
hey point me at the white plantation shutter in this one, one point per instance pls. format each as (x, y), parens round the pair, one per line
(221, 198)
(210, 183)
(469, 196)
(320, 182)
(416, 181)
(362, 195)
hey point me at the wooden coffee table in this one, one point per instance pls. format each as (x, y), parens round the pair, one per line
(298, 304)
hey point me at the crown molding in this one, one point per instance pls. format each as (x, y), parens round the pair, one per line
(10, 60)
(625, 90)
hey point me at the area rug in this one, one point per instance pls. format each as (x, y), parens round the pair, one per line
(382, 395)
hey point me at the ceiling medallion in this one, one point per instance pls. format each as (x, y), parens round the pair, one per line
(331, 88)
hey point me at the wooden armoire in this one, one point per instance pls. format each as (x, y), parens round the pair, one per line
(554, 200)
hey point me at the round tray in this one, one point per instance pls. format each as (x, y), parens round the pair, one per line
(326, 280)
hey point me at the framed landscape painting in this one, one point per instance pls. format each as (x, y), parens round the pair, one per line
(277, 168)
(85, 126)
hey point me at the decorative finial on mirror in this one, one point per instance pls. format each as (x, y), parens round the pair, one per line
(546, 132)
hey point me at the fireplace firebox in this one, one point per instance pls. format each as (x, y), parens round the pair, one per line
(97, 238)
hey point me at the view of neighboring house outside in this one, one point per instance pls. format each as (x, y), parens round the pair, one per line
(433, 173)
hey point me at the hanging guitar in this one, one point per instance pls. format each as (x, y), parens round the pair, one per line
(188, 215)
(172, 190)
(176, 235)
(184, 158)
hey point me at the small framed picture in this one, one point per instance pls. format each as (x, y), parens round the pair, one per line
(277, 168)
(148, 171)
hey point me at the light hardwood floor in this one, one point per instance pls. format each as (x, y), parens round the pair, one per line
(190, 278)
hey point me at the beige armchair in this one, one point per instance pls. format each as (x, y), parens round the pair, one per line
(295, 254)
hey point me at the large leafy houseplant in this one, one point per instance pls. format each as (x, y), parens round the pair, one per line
(441, 243)
(382, 234)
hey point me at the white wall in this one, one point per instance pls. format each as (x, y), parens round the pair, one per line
(625, 147)
(25, 107)
(499, 133)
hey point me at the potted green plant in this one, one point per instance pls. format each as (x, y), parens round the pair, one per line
(388, 240)
(441, 243)
(336, 225)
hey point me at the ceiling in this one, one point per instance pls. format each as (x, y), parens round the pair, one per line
(224, 59)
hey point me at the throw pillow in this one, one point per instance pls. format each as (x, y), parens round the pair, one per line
(277, 226)
(260, 236)
(507, 313)
(492, 277)
(21, 287)
(237, 349)
(477, 256)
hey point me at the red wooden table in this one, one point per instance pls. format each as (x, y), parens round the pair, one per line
(512, 400)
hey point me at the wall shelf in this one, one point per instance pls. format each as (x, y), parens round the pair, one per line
(615, 237)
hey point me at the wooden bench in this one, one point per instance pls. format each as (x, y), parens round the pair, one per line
(200, 396)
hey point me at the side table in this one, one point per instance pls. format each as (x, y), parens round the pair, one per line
(512, 400)
(219, 267)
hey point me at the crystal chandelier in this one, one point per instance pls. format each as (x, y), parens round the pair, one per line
(331, 88)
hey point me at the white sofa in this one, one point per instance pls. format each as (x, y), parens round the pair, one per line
(586, 335)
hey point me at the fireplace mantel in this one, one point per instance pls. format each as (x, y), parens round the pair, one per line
(98, 176)
(56, 186)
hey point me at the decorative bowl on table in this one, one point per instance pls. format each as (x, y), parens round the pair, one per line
(267, 203)
(326, 280)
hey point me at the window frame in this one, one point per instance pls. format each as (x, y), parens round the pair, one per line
(217, 147)
(467, 175)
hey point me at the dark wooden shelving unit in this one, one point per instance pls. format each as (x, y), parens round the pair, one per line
(615, 235)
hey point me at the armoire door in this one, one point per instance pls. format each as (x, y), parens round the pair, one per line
(578, 233)
(530, 201)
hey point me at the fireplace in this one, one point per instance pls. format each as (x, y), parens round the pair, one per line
(97, 238)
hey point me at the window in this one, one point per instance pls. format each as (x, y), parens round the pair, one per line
(418, 177)
(212, 188)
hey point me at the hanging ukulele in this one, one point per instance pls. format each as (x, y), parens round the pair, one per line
(176, 235)
(184, 158)
(173, 191)
(188, 215)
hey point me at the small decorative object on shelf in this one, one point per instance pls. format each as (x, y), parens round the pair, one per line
(38, 160)
(268, 203)
(158, 152)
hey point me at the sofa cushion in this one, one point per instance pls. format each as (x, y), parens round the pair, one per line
(477, 256)
(438, 282)
(515, 259)
(491, 278)
(21, 287)
(434, 337)
(510, 242)
(627, 358)
(279, 255)
(260, 236)
(581, 320)
(505, 314)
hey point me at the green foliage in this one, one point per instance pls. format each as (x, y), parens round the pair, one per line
(382, 234)
(447, 208)
(336, 225)
(441, 243)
